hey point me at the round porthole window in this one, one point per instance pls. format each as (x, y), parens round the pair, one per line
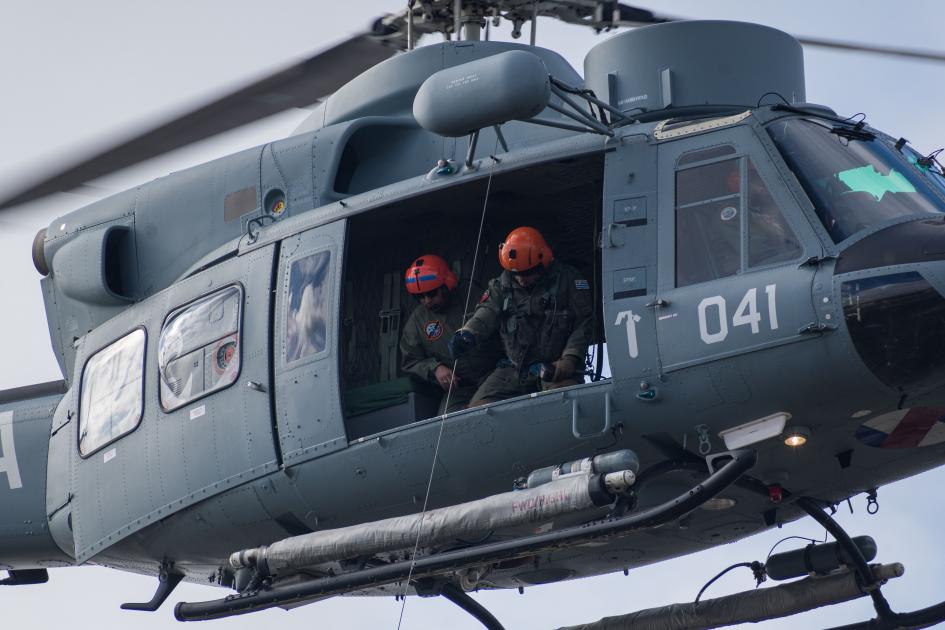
(275, 202)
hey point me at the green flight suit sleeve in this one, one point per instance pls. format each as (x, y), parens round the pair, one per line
(484, 322)
(414, 358)
(580, 301)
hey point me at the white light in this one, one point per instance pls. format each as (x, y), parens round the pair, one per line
(755, 431)
(798, 436)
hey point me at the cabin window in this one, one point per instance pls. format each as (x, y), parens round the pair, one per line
(306, 323)
(722, 205)
(199, 350)
(112, 392)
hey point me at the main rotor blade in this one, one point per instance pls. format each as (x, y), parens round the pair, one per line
(296, 86)
(909, 53)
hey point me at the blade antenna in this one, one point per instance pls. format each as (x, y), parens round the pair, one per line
(533, 31)
(410, 24)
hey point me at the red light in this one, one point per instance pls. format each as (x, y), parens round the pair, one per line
(775, 493)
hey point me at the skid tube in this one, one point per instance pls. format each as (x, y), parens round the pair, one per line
(886, 619)
(738, 463)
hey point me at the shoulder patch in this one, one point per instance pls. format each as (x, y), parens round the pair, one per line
(485, 296)
(433, 330)
(581, 284)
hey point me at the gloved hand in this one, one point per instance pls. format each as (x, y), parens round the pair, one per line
(444, 377)
(564, 369)
(462, 343)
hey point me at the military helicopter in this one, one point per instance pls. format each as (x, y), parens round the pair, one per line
(664, 399)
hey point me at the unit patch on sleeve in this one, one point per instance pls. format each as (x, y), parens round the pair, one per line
(433, 330)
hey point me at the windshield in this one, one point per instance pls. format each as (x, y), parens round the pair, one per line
(931, 172)
(853, 179)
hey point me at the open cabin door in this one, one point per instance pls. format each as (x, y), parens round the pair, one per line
(171, 402)
(308, 404)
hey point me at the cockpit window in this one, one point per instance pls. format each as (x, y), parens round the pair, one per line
(853, 180)
(719, 206)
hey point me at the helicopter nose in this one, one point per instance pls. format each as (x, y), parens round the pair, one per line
(917, 241)
(896, 314)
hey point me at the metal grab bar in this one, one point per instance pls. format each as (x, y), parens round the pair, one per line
(576, 414)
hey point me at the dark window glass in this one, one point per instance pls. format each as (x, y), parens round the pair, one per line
(853, 183)
(199, 350)
(708, 242)
(112, 392)
(308, 300)
(706, 154)
(704, 183)
(770, 239)
(708, 218)
(897, 323)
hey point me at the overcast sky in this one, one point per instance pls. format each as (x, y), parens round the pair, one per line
(76, 75)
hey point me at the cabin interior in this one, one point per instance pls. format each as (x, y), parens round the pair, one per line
(561, 198)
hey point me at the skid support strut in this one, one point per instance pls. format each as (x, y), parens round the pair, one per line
(428, 587)
(886, 618)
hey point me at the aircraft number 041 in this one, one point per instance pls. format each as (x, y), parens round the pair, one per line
(713, 313)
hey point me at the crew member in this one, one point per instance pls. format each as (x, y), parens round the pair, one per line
(424, 343)
(542, 309)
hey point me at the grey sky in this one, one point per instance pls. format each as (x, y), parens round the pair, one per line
(76, 75)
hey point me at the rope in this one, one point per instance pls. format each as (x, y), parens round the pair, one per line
(439, 437)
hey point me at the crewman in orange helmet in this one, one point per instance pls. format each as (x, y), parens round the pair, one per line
(542, 309)
(424, 343)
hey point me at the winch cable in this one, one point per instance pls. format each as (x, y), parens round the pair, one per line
(449, 391)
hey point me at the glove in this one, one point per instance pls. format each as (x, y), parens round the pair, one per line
(564, 369)
(444, 377)
(462, 343)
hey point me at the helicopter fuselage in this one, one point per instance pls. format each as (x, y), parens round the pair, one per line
(216, 329)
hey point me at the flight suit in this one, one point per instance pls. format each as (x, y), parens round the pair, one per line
(542, 324)
(424, 345)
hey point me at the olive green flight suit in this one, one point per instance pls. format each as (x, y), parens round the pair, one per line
(424, 346)
(551, 320)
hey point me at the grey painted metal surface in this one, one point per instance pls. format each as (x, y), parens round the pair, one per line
(172, 460)
(629, 259)
(695, 63)
(508, 86)
(25, 419)
(308, 401)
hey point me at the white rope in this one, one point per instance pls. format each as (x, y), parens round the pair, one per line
(439, 437)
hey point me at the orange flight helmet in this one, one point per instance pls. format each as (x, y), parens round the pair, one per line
(524, 248)
(427, 273)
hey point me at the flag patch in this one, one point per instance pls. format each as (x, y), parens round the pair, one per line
(581, 284)
(904, 428)
(433, 330)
